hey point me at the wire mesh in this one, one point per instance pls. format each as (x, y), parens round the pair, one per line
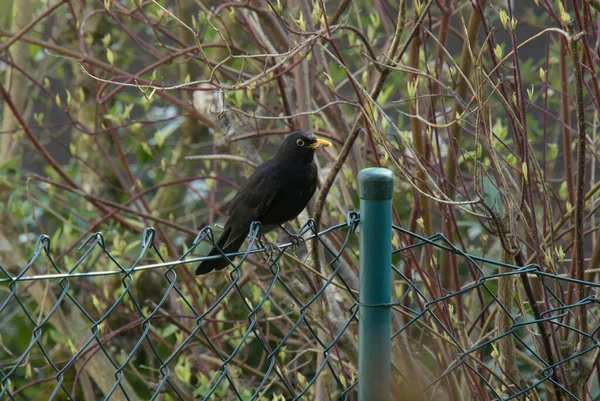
(100, 328)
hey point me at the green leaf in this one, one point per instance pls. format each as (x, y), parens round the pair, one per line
(159, 137)
(10, 165)
(146, 148)
(106, 40)
(81, 94)
(169, 330)
(39, 118)
(183, 371)
(329, 82)
(110, 56)
(34, 50)
(127, 111)
(132, 245)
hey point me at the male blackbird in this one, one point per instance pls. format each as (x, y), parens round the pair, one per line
(275, 193)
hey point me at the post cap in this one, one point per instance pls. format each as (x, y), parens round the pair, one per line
(376, 184)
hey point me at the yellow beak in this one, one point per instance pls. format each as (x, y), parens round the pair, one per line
(320, 143)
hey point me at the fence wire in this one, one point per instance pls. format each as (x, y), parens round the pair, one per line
(101, 324)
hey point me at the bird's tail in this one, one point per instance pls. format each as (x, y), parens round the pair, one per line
(217, 264)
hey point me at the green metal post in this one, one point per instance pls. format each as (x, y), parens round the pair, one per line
(376, 189)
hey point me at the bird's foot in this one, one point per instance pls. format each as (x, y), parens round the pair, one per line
(295, 239)
(270, 248)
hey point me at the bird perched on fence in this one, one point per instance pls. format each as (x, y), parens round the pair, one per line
(275, 193)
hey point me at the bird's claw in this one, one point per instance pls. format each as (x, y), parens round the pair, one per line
(269, 247)
(296, 240)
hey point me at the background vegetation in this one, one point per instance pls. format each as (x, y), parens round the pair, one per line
(487, 112)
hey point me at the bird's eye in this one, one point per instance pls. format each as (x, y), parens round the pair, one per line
(299, 142)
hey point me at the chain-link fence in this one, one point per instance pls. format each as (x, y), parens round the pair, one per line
(92, 326)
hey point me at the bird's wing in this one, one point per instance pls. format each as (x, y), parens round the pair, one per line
(253, 200)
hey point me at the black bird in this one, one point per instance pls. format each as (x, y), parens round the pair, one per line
(275, 193)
